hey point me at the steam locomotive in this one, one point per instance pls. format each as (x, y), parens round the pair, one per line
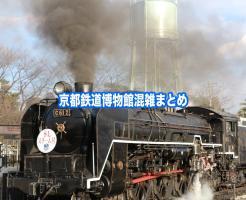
(128, 153)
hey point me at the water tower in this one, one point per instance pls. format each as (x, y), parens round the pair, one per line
(154, 42)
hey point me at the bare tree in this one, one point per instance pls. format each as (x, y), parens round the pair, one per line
(211, 95)
(22, 79)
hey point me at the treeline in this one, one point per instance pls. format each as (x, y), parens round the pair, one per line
(23, 79)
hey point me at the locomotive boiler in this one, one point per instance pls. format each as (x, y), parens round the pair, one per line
(132, 153)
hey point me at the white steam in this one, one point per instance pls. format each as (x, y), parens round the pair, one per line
(198, 191)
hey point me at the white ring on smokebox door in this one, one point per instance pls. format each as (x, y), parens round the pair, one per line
(46, 140)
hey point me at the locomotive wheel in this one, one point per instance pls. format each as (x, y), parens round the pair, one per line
(181, 185)
(212, 178)
(159, 189)
(138, 191)
(80, 196)
(117, 197)
(149, 190)
(55, 198)
(105, 189)
(165, 187)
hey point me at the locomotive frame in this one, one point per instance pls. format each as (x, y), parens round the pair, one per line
(138, 153)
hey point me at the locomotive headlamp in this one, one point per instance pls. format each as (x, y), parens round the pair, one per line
(62, 87)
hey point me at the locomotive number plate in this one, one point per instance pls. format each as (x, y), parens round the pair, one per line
(62, 113)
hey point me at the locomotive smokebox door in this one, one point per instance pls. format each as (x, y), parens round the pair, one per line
(69, 126)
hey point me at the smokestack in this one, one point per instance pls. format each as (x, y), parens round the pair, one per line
(83, 87)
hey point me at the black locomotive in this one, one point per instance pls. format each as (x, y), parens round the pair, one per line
(131, 153)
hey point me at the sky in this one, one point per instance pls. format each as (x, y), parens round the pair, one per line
(223, 22)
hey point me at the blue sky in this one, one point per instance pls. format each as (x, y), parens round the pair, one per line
(224, 19)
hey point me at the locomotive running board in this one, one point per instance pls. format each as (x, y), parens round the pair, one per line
(94, 179)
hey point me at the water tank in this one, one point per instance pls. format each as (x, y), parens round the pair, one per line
(154, 19)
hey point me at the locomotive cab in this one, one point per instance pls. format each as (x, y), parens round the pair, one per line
(224, 128)
(231, 137)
